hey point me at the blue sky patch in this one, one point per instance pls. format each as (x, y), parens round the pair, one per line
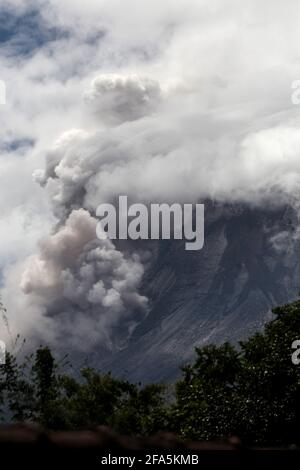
(23, 34)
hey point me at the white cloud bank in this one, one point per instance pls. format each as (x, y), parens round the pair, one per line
(166, 101)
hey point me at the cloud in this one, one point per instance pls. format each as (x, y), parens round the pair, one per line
(158, 156)
(116, 99)
(161, 101)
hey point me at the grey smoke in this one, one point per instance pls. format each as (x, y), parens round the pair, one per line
(115, 98)
(84, 285)
(197, 106)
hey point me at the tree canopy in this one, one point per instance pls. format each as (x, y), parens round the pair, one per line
(251, 390)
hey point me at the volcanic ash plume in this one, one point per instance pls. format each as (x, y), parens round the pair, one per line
(83, 284)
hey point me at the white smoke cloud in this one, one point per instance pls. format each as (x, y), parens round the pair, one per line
(116, 98)
(169, 157)
(176, 101)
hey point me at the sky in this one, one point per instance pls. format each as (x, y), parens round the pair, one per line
(162, 101)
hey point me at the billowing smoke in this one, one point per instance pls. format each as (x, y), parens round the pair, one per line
(83, 284)
(116, 98)
(198, 106)
(149, 145)
(86, 286)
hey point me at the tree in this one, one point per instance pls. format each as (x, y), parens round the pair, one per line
(253, 391)
(269, 385)
(205, 397)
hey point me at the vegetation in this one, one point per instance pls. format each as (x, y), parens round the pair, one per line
(252, 391)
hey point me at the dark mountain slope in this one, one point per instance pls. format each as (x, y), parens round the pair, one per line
(223, 292)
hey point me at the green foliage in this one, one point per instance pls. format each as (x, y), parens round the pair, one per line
(205, 397)
(143, 412)
(269, 386)
(252, 391)
(36, 391)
